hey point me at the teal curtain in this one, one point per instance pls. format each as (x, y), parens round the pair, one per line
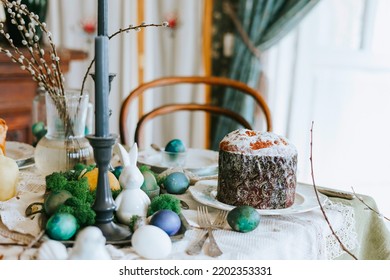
(265, 22)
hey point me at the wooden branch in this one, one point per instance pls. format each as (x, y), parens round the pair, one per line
(318, 198)
(368, 206)
(130, 27)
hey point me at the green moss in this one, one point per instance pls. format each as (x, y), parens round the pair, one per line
(164, 201)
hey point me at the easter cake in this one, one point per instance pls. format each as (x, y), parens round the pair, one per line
(257, 169)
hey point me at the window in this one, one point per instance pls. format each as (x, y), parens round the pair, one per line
(334, 69)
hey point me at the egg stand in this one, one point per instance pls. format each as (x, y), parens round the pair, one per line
(102, 142)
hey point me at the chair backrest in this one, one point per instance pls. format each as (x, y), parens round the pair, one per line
(169, 108)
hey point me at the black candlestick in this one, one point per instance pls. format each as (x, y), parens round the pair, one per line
(102, 141)
(104, 204)
(111, 77)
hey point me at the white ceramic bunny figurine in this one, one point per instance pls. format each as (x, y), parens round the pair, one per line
(132, 200)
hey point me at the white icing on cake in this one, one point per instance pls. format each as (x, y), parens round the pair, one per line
(251, 142)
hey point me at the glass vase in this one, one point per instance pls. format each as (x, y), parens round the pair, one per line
(64, 144)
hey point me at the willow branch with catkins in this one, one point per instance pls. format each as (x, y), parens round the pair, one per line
(48, 74)
(43, 65)
(45, 68)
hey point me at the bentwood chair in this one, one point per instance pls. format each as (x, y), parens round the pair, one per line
(170, 108)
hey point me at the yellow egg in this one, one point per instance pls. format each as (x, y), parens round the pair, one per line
(92, 177)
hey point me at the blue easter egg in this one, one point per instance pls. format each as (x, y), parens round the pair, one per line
(175, 146)
(176, 183)
(61, 226)
(167, 220)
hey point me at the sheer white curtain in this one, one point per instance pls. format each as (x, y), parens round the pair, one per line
(336, 73)
(168, 54)
(164, 55)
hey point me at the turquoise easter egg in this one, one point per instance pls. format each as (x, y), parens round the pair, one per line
(175, 146)
(117, 171)
(61, 226)
(176, 183)
(37, 128)
(243, 218)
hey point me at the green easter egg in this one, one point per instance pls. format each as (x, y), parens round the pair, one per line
(243, 218)
(176, 183)
(150, 182)
(38, 127)
(54, 200)
(175, 146)
(61, 226)
(41, 134)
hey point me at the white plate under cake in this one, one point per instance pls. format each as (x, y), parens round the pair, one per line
(205, 192)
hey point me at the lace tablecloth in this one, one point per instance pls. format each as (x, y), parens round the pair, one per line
(299, 236)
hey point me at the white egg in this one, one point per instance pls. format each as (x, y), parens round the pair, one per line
(151, 242)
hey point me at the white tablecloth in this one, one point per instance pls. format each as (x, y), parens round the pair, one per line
(299, 236)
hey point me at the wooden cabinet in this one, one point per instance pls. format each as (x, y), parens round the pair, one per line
(17, 91)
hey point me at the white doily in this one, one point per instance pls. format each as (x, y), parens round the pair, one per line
(31, 188)
(346, 231)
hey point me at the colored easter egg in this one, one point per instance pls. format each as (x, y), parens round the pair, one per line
(38, 129)
(175, 146)
(117, 171)
(176, 183)
(150, 186)
(61, 226)
(54, 200)
(243, 218)
(150, 182)
(167, 220)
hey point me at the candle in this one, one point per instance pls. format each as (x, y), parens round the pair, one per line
(101, 72)
(102, 17)
(101, 87)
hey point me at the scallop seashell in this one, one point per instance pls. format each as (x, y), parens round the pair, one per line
(52, 250)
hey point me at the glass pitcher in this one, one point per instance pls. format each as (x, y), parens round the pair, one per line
(64, 144)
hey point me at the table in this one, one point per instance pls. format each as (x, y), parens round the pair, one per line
(299, 236)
